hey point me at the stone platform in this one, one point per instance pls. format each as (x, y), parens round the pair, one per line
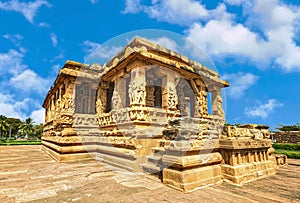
(29, 175)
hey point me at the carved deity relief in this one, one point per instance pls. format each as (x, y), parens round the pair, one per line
(137, 93)
(150, 93)
(99, 106)
(67, 103)
(172, 98)
(116, 101)
(57, 109)
(181, 101)
(219, 101)
(201, 108)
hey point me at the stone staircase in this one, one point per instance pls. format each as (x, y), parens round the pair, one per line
(154, 164)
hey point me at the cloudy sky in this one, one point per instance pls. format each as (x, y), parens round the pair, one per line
(254, 44)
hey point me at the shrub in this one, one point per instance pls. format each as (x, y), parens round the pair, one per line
(295, 147)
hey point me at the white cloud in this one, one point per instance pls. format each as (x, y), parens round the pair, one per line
(29, 81)
(43, 24)
(233, 40)
(172, 11)
(16, 109)
(11, 62)
(263, 110)
(238, 40)
(57, 57)
(267, 36)
(53, 38)
(95, 50)
(132, 6)
(38, 116)
(220, 13)
(239, 83)
(182, 12)
(55, 69)
(234, 2)
(89, 46)
(16, 39)
(166, 42)
(27, 9)
(11, 108)
(271, 14)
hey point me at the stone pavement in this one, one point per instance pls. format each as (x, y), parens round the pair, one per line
(28, 175)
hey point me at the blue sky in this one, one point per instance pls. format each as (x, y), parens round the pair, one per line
(255, 45)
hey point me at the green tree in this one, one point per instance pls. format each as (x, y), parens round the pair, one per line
(27, 128)
(3, 126)
(295, 127)
(14, 123)
(38, 130)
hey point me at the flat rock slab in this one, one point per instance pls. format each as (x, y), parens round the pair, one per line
(27, 174)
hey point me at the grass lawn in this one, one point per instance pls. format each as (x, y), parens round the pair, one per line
(20, 142)
(293, 154)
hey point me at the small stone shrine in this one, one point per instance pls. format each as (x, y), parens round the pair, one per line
(151, 109)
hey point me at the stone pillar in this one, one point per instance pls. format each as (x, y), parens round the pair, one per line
(255, 156)
(181, 100)
(260, 156)
(201, 104)
(101, 102)
(234, 159)
(239, 158)
(251, 157)
(264, 156)
(169, 95)
(150, 93)
(137, 87)
(120, 87)
(217, 108)
(52, 107)
(116, 98)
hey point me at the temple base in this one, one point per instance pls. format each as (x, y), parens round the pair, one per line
(74, 157)
(192, 179)
(243, 173)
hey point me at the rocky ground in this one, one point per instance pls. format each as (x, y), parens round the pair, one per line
(28, 175)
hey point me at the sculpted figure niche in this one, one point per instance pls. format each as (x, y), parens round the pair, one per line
(137, 93)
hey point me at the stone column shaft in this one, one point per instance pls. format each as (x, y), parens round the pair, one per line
(137, 87)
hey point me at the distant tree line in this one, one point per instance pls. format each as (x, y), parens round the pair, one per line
(295, 127)
(14, 128)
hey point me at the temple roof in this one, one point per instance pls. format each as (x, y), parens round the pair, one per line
(154, 51)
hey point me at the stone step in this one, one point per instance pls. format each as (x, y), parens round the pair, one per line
(150, 168)
(158, 151)
(155, 159)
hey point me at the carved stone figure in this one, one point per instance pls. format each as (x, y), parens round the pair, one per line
(67, 103)
(201, 108)
(172, 99)
(219, 102)
(116, 101)
(137, 93)
(99, 106)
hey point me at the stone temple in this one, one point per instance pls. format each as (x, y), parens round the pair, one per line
(150, 109)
